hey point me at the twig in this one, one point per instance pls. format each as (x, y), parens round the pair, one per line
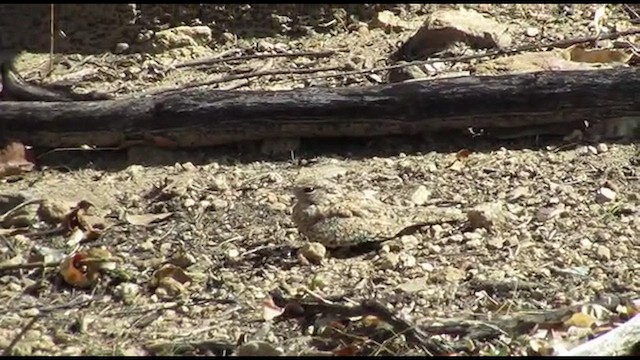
(28, 266)
(217, 59)
(17, 208)
(529, 47)
(9, 349)
(367, 307)
(413, 333)
(232, 77)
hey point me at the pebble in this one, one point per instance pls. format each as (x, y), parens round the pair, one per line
(602, 148)
(421, 195)
(409, 242)
(603, 252)
(121, 48)
(189, 203)
(586, 244)
(389, 261)
(532, 31)
(188, 166)
(408, 261)
(495, 242)
(604, 195)
(219, 182)
(314, 252)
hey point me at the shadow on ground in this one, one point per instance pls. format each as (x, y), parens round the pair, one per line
(310, 149)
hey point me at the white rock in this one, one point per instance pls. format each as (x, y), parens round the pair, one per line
(586, 244)
(421, 195)
(532, 31)
(189, 203)
(603, 252)
(604, 195)
(602, 148)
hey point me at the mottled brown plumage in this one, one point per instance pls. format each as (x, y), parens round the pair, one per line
(327, 214)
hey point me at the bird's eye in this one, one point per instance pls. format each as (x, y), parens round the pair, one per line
(308, 189)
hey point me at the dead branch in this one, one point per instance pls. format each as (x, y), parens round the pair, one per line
(203, 117)
(253, 74)
(28, 266)
(216, 59)
(310, 308)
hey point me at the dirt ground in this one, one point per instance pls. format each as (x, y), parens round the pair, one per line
(228, 227)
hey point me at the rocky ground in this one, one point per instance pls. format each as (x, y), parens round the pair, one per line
(195, 252)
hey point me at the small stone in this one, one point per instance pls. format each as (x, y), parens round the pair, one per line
(549, 212)
(188, 166)
(487, 215)
(219, 182)
(314, 252)
(604, 195)
(408, 261)
(30, 312)
(409, 242)
(219, 204)
(582, 151)
(602, 148)
(586, 244)
(389, 261)
(532, 31)
(518, 193)
(189, 203)
(596, 286)
(421, 195)
(603, 252)
(121, 48)
(427, 267)
(495, 242)
(233, 253)
(453, 274)
(127, 291)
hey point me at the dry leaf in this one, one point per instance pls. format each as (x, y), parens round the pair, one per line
(72, 274)
(371, 320)
(349, 350)
(14, 160)
(580, 319)
(146, 219)
(83, 269)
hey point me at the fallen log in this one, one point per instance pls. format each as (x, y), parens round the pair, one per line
(203, 117)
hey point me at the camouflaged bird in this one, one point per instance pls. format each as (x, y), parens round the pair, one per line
(326, 214)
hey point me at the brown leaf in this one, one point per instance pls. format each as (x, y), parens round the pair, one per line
(146, 219)
(13, 160)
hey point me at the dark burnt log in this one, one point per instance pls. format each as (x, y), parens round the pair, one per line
(203, 117)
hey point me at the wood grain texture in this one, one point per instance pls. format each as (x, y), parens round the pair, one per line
(204, 117)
